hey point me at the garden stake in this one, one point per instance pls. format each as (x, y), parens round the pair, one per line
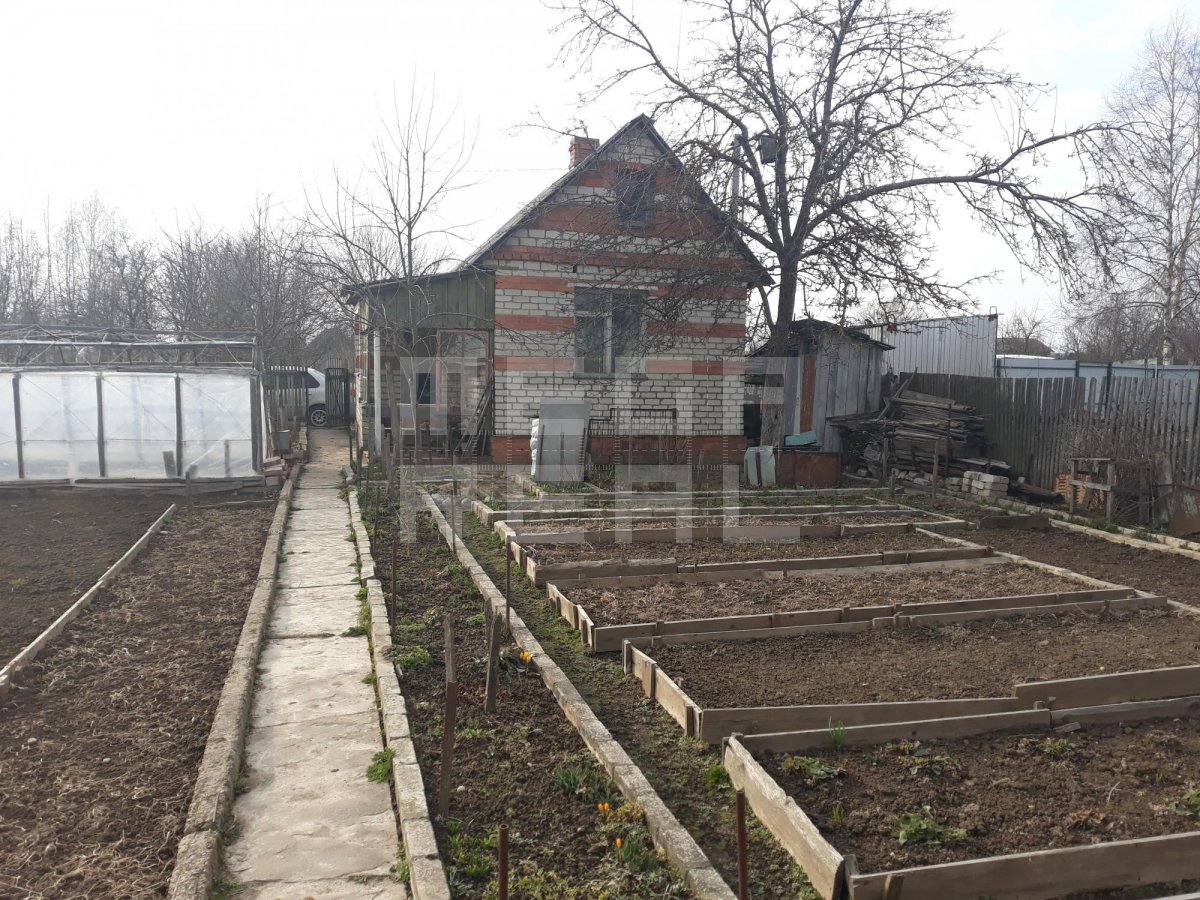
(449, 722)
(392, 611)
(743, 864)
(502, 874)
(493, 668)
(508, 584)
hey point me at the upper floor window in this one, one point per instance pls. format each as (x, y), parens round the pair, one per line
(635, 196)
(608, 331)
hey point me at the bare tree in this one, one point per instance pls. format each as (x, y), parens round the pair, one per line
(23, 283)
(1024, 331)
(379, 231)
(827, 126)
(1150, 255)
(1113, 333)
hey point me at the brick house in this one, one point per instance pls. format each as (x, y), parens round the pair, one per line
(621, 284)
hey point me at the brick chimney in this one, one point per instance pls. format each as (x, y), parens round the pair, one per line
(582, 148)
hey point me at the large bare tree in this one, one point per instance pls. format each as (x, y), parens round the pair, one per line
(1150, 255)
(380, 230)
(833, 129)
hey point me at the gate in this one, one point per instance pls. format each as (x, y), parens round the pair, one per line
(337, 396)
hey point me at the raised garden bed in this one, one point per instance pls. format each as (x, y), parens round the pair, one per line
(101, 738)
(609, 613)
(546, 562)
(685, 773)
(1030, 814)
(523, 765)
(859, 673)
(1157, 571)
(685, 523)
(520, 518)
(53, 547)
(637, 499)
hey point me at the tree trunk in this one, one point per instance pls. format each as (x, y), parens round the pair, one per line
(776, 353)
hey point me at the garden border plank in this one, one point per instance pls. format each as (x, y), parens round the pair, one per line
(67, 616)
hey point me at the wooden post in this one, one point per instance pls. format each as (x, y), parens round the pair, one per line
(392, 611)
(743, 863)
(508, 584)
(493, 667)
(502, 873)
(1110, 476)
(449, 721)
(933, 469)
(1071, 486)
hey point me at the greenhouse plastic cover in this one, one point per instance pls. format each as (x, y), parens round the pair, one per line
(61, 424)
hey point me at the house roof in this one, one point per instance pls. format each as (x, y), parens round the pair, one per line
(810, 326)
(645, 123)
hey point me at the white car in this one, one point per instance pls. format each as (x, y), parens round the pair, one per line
(314, 380)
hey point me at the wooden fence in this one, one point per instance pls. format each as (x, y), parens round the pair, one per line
(1150, 425)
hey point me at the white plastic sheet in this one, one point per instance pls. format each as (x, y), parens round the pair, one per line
(59, 425)
(8, 430)
(139, 424)
(60, 433)
(217, 425)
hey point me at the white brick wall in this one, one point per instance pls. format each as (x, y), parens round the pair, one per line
(705, 404)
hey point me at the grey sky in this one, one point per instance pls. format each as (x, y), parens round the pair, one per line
(172, 108)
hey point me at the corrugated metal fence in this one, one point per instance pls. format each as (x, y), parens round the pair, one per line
(959, 345)
(1037, 424)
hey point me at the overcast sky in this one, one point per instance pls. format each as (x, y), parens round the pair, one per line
(168, 109)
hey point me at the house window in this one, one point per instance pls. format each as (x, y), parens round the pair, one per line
(635, 197)
(608, 331)
(424, 388)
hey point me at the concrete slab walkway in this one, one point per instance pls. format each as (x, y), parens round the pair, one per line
(311, 825)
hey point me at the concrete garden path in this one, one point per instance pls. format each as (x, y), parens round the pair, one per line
(310, 823)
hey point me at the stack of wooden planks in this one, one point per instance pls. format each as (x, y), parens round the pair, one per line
(918, 429)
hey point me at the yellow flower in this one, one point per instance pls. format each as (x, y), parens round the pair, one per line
(526, 656)
(599, 807)
(619, 842)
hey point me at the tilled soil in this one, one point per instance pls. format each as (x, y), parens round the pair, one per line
(974, 659)
(674, 600)
(686, 773)
(524, 765)
(1166, 574)
(100, 741)
(53, 547)
(730, 551)
(878, 518)
(1010, 793)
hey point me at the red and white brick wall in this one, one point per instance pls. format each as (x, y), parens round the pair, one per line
(538, 270)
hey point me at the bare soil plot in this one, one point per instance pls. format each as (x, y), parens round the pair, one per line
(997, 794)
(674, 600)
(53, 547)
(1164, 573)
(523, 765)
(722, 551)
(974, 659)
(100, 742)
(686, 774)
(878, 518)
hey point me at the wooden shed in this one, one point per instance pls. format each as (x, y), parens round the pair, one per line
(829, 371)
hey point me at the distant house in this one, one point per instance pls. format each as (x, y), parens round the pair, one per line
(1019, 346)
(622, 284)
(830, 371)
